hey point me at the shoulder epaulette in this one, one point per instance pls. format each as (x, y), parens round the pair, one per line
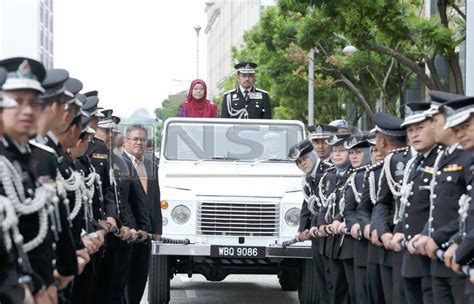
(328, 163)
(330, 169)
(263, 91)
(230, 91)
(362, 168)
(398, 150)
(42, 147)
(375, 166)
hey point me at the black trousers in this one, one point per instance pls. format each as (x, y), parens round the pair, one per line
(350, 279)
(361, 284)
(418, 290)
(449, 290)
(340, 292)
(112, 277)
(374, 284)
(84, 288)
(398, 293)
(387, 283)
(138, 274)
(323, 282)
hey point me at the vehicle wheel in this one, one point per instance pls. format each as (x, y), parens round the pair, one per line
(159, 280)
(288, 280)
(307, 290)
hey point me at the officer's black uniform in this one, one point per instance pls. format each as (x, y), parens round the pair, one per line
(252, 103)
(41, 257)
(309, 217)
(11, 291)
(360, 246)
(235, 105)
(331, 182)
(453, 174)
(376, 284)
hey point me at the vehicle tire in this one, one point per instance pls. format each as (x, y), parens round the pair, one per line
(288, 280)
(159, 280)
(307, 288)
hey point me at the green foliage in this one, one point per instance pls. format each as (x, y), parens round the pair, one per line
(394, 41)
(169, 108)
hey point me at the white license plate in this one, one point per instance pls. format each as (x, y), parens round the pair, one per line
(218, 251)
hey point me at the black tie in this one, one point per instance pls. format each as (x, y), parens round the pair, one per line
(246, 95)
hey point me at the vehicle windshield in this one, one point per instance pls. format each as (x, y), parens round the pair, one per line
(230, 141)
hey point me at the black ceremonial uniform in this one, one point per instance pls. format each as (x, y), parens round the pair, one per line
(332, 183)
(11, 291)
(308, 219)
(352, 198)
(416, 268)
(99, 157)
(41, 257)
(384, 217)
(255, 106)
(452, 176)
(44, 166)
(378, 286)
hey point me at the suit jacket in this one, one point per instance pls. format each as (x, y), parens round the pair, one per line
(132, 199)
(153, 202)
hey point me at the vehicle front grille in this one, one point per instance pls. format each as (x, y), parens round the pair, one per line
(238, 218)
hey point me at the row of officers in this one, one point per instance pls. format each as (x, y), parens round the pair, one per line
(77, 216)
(389, 213)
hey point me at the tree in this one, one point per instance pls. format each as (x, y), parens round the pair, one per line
(396, 29)
(358, 81)
(169, 108)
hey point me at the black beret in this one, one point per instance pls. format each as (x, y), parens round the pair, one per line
(299, 149)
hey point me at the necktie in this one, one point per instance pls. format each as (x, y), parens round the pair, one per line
(246, 95)
(141, 173)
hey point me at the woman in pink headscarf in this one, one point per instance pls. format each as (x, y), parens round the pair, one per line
(196, 104)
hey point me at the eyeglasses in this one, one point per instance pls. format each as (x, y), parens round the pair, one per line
(21, 103)
(338, 150)
(136, 139)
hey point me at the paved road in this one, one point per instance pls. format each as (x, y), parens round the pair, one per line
(235, 289)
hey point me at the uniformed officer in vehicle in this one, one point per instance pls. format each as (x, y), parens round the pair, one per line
(246, 101)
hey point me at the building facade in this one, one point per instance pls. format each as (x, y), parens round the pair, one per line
(26, 29)
(227, 22)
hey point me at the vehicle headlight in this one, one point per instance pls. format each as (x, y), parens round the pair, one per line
(180, 214)
(292, 217)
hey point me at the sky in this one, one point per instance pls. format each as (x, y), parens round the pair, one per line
(134, 52)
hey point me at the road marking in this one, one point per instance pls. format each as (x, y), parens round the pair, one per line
(191, 293)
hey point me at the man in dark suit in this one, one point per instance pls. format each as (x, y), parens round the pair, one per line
(146, 171)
